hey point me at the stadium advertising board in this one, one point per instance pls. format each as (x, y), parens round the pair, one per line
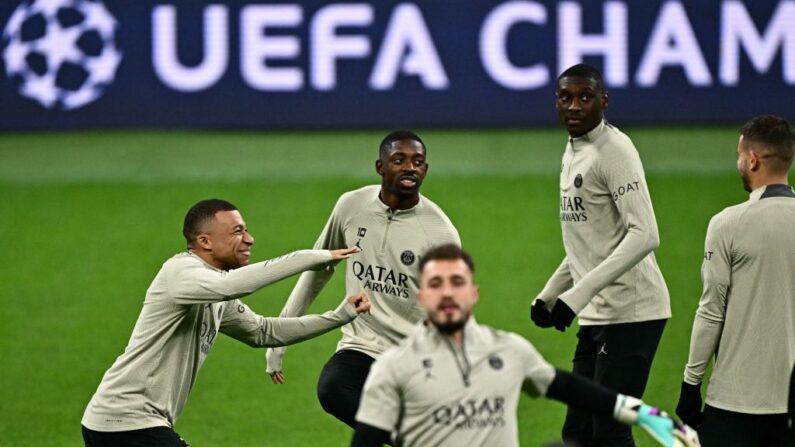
(325, 64)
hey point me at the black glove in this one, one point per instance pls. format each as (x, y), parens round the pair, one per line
(540, 315)
(562, 315)
(689, 407)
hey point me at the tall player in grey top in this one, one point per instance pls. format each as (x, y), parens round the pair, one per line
(454, 382)
(609, 277)
(745, 320)
(194, 296)
(392, 224)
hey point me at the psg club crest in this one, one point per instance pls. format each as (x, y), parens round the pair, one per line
(495, 362)
(578, 181)
(407, 257)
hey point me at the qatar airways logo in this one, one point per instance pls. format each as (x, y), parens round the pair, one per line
(381, 279)
(572, 209)
(472, 414)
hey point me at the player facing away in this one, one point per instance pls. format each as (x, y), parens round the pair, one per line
(745, 320)
(609, 278)
(393, 224)
(194, 296)
(454, 382)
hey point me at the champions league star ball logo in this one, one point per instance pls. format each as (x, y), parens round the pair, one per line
(62, 52)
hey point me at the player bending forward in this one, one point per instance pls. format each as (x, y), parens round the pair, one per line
(194, 297)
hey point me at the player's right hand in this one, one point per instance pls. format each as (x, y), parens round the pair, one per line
(359, 302)
(658, 424)
(540, 315)
(344, 253)
(274, 358)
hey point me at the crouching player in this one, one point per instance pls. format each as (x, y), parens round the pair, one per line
(454, 382)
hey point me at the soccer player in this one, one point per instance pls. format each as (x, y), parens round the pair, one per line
(193, 297)
(609, 278)
(454, 382)
(746, 316)
(393, 224)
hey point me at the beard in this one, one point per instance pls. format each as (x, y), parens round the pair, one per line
(746, 182)
(448, 326)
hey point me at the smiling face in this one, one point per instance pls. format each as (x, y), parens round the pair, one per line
(580, 102)
(402, 168)
(226, 240)
(447, 293)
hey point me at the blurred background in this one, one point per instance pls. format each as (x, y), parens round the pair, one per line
(117, 116)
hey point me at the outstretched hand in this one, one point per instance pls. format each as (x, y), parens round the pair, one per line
(344, 253)
(359, 302)
(658, 424)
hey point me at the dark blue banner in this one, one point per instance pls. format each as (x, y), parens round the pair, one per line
(321, 64)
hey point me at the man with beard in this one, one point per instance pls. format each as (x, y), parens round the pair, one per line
(745, 320)
(454, 382)
(392, 224)
(609, 278)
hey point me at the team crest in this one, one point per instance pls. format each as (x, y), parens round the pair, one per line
(362, 231)
(578, 181)
(407, 257)
(495, 362)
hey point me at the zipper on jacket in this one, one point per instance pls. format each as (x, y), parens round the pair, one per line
(464, 369)
(390, 214)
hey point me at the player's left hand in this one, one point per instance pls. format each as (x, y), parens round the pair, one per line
(689, 406)
(562, 315)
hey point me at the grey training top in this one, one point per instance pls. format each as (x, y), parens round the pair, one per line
(392, 243)
(609, 274)
(428, 391)
(746, 315)
(185, 307)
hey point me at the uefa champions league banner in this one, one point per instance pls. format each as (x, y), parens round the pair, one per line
(326, 64)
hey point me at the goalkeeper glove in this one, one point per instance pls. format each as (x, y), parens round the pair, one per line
(655, 422)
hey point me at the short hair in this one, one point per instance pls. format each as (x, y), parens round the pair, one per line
(447, 252)
(201, 213)
(774, 139)
(583, 71)
(399, 135)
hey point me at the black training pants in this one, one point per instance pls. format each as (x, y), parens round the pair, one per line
(146, 437)
(619, 357)
(729, 429)
(340, 385)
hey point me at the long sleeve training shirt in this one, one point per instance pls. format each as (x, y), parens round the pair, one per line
(746, 316)
(609, 274)
(392, 243)
(188, 303)
(430, 391)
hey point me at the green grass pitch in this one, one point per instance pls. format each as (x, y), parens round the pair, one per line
(86, 219)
